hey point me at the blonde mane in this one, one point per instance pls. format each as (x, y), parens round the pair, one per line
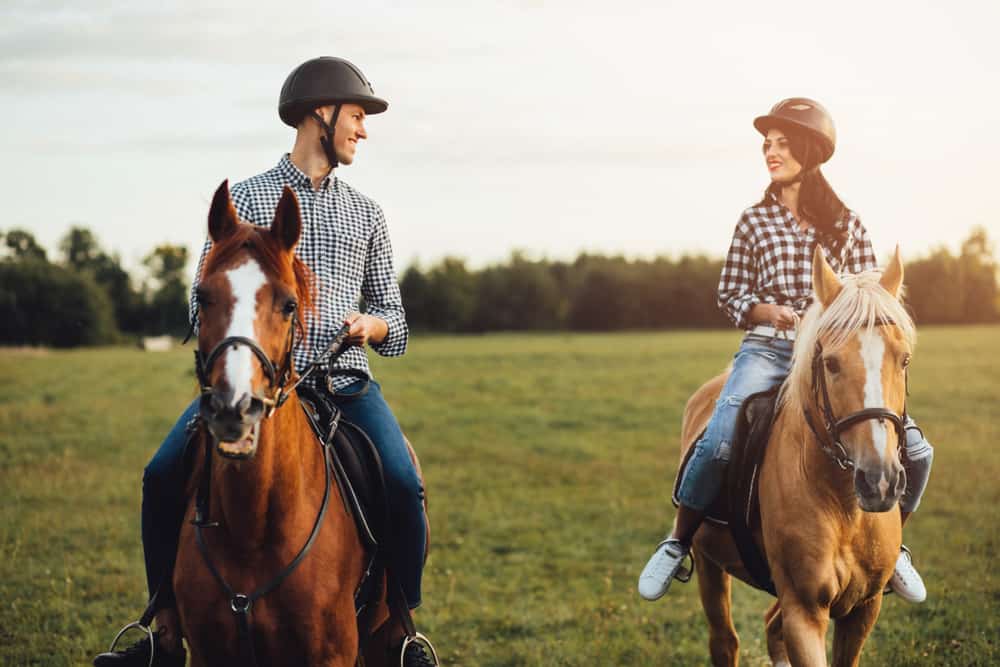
(861, 305)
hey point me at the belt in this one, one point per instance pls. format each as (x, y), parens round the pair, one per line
(772, 332)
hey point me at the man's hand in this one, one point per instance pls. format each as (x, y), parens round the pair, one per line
(365, 329)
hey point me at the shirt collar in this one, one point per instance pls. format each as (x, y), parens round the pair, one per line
(296, 176)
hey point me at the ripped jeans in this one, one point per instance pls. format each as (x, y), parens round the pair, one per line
(759, 364)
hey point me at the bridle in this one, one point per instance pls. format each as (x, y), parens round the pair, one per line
(276, 379)
(241, 603)
(833, 427)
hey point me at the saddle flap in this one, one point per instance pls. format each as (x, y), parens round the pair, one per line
(357, 466)
(753, 429)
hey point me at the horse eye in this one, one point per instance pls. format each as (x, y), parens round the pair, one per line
(832, 364)
(289, 308)
(906, 360)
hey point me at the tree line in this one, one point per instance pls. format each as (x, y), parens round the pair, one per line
(85, 296)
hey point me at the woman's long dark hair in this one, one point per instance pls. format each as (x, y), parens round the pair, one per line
(818, 203)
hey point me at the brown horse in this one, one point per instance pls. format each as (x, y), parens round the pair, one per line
(268, 477)
(830, 525)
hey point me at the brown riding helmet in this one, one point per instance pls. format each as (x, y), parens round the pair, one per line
(798, 114)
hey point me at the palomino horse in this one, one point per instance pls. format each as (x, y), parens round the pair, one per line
(269, 533)
(830, 478)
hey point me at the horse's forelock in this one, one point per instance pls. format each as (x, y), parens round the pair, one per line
(861, 305)
(255, 242)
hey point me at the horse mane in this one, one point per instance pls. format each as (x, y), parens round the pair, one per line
(861, 305)
(263, 247)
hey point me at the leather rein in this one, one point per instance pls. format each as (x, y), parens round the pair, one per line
(833, 427)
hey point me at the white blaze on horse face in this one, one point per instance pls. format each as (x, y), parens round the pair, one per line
(872, 353)
(244, 281)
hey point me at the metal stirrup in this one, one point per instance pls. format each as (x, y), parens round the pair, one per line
(417, 638)
(144, 628)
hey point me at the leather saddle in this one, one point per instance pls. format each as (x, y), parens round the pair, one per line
(738, 503)
(357, 466)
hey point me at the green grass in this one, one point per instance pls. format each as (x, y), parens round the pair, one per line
(548, 462)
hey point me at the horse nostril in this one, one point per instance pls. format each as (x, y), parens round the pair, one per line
(244, 404)
(216, 405)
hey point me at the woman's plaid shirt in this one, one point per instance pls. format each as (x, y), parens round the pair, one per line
(345, 242)
(770, 260)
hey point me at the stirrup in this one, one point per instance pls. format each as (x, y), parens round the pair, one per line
(416, 638)
(683, 574)
(144, 628)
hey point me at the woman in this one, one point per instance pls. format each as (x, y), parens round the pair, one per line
(766, 285)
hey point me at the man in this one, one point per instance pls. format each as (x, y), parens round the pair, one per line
(345, 242)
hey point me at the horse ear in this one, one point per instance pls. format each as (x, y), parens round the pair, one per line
(287, 224)
(826, 284)
(222, 218)
(892, 277)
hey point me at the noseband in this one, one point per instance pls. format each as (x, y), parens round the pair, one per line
(835, 427)
(276, 379)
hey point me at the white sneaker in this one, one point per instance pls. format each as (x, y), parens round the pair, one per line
(663, 566)
(906, 581)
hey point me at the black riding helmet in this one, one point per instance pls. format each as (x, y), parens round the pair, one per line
(802, 115)
(322, 81)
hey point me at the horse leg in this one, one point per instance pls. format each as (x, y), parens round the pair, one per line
(715, 587)
(775, 642)
(804, 632)
(851, 631)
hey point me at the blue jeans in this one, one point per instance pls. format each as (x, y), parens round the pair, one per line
(759, 364)
(163, 501)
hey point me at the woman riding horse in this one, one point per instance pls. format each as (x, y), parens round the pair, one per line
(766, 285)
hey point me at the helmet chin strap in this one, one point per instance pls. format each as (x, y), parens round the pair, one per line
(327, 139)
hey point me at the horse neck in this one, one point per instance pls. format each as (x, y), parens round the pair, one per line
(258, 500)
(830, 487)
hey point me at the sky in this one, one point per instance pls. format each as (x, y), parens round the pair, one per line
(548, 127)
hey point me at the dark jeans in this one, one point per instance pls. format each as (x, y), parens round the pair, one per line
(163, 501)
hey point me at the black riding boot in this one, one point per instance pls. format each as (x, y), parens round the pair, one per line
(137, 655)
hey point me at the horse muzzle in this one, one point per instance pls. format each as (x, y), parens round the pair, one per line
(879, 488)
(234, 425)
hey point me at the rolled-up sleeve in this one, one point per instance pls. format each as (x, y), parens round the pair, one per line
(862, 257)
(739, 275)
(380, 290)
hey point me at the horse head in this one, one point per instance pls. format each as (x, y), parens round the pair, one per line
(250, 293)
(855, 344)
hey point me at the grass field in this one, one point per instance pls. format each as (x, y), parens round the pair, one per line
(548, 462)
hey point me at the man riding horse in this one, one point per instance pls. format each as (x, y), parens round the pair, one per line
(345, 243)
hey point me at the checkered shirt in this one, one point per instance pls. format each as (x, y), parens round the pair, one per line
(770, 260)
(345, 242)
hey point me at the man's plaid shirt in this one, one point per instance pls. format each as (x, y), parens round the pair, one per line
(770, 260)
(345, 242)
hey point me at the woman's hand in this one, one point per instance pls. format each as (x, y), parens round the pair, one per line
(785, 318)
(365, 329)
(782, 317)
